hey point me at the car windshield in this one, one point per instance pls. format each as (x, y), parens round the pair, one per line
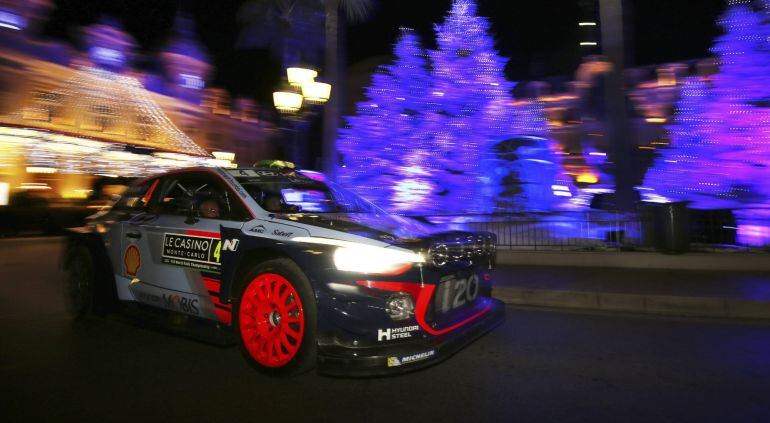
(293, 192)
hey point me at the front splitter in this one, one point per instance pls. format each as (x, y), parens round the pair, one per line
(396, 359)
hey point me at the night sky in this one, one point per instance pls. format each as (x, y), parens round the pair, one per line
(540, 37)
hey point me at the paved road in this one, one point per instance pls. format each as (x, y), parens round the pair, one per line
(539, 366)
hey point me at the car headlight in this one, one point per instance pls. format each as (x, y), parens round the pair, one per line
(369, 259)
(375, 260)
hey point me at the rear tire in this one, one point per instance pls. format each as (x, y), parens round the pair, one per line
(79, 283)
(275, 318)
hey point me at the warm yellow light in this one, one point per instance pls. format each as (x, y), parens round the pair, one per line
(656, 120)
(40, 169)
(300, 76)
(5, 190)
(76, 194)
(286, 101)
(223, 155)
(220, 163)
(316, 92)
(33, 186)
(587, 178)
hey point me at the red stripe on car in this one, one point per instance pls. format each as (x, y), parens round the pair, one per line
(206, 234)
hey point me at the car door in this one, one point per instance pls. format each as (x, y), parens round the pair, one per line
(176, 245)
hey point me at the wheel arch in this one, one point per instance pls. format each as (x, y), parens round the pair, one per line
(105, 290)
(235, 267)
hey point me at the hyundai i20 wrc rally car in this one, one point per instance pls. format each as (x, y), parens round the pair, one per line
(297, 270)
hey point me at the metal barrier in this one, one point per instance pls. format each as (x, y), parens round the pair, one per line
(602, 231)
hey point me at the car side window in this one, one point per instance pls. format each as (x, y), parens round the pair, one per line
(200, 193)
(137, 196)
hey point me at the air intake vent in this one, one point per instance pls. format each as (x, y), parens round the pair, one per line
(463, 250)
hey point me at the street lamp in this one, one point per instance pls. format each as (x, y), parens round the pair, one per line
(290, 103)
(300, 76)
(287, 102)
(316, 92)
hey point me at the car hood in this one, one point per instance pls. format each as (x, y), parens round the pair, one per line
(383, 227)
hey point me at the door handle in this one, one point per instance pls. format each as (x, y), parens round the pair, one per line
(134, 235)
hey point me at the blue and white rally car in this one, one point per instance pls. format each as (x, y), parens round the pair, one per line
(298, 271)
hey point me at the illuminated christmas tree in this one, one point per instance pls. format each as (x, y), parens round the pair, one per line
(474, 109)
(720, 139)
(423, 140)
(383, 146)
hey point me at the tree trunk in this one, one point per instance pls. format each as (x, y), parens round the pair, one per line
(332, 73)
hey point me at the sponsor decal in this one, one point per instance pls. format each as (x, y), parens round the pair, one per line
(230, 244)
(147, 297)
(197, 252)
(132, 259)
(260, 229)
(279, 232)
(181, 303)
(407, 359)
(395, 333)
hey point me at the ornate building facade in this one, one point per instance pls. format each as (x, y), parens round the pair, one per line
(78, 114)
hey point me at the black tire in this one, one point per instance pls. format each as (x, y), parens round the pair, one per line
(80, 282)
(305, 357)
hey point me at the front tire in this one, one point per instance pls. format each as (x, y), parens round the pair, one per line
(275, 318)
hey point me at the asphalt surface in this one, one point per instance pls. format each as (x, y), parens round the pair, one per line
(687, 283)
(540, 365)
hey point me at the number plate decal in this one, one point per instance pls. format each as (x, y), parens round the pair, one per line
(454, 292)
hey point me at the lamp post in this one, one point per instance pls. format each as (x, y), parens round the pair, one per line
(290, 103)
(611, 12)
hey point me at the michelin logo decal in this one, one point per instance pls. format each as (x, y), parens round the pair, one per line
(399, 361)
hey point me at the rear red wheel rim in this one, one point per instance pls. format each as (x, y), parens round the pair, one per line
(272, 320)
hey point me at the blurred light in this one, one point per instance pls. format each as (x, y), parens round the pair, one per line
(754, 235)
(40, 169)
(5, 189)
(286, 101)
(316, 176)
(589, 43)
(655, 120)
(586, 23)
(191, 81)
(587, 178)
(76, 194)
(220, 163)
(33, 186)
(316, 92)
(106, 56)
(300, 76)
(597, 153)
(223, 155)
(12, 21)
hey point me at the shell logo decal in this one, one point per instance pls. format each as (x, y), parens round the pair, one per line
(132, 259)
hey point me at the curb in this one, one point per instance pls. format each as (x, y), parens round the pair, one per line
(739, 262)
(637, 303)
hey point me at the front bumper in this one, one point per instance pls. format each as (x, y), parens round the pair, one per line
(394, 359)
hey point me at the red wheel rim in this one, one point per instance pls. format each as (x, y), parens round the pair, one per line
(271, 320)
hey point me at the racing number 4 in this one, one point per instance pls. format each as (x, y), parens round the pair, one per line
(217, 251)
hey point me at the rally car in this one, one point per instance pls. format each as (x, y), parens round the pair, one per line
(295, 269)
